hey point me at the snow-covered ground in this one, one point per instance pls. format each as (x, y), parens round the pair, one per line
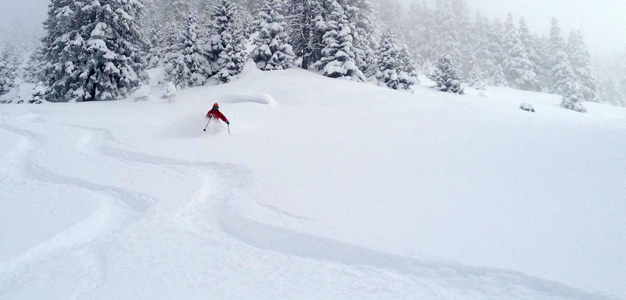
(324, 189)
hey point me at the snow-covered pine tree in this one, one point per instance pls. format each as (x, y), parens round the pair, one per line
(562, 75)
(476, 77)
(447, 38)
(407, 66)
(306, 26)
(179, 9)
(33, 73)
(517, 67)
(446, 76)
(247, 18)
(543, 51)
(428, 68)
(252, 6)
(464, 27)
(360, 14)
(39, 94)
(611, 91)
(572, 95)
(581, 63)
(188, 65)
(533, 51)
(390, 13)
(113, 66)
(5, 83)
(226, 41)
(93, 50)
(412, 35)
(498, 79)
(338, 60)
(7, 70)
(152, 28)
(421, 21)
(481, 44)
(495, 32)
(61, 46)
(272, 49)
(561, 71)
(391, 71)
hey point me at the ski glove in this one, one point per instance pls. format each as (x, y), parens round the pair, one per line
(227, 122)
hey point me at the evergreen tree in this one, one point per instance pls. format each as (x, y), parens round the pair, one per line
(562, 75)
(338, 60)
(533, 52)
(179, 10)
(306, 26)
(581, 63)
(476, 77)
(394, 69)
(543, 51)
(428, 68)
(572, 95)
(465, 36)
(152, 28)
(272, 49)
(413, 37)
(226, 42)
(407, 66)
(517, 67)
(447, 39)
(8, 70)
(33, 73)
(359, 14)
(482, 47)
(422, 24)
(188, 65)
(92, 50)
(38, 94)
(496, 49)
(390, 13)
(612, 92)
(446, 76)
(251, 6)
(498, 79)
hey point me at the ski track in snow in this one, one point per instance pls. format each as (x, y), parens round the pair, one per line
(125, 213)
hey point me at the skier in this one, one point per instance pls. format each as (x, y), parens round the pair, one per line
(215, 113)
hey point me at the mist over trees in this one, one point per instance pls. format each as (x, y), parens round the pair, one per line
(99, 50)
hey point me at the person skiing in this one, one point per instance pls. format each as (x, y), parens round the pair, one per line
(215, 113)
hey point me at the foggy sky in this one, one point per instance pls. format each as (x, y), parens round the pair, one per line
(603, 22)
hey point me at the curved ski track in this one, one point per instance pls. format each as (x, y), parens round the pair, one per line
(205, 202)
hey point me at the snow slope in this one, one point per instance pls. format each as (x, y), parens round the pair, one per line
(325, 189)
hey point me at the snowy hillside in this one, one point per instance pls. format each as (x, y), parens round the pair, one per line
(325, 189)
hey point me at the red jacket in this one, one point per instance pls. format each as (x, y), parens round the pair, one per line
(217, 115)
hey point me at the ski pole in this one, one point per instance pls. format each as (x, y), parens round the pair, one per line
(207, 123)
(228, 128)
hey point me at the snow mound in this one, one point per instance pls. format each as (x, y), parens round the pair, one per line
(32, 117)
(157, 75)
(254, 98)
(249, 69)
(527, 107)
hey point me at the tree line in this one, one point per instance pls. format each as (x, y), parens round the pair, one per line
(100, 50)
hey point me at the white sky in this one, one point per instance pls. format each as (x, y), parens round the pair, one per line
(18, 17)
(603, 22)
